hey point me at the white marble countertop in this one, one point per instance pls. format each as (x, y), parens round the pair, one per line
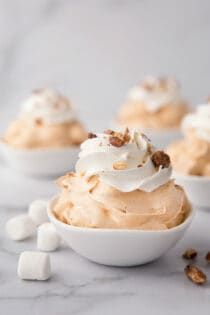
(78, 286)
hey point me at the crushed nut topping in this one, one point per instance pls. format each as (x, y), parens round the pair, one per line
(120, 165)
(160, 158)
(195, 274)
(37, 91)
(116, 142)
(208, 257)
(118, 139)
(91, 135)
(190, 253)
(148, 86)
(39, 122)
(126, 136)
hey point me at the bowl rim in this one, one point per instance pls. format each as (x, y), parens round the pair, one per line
(69, 227)
(194, 178)
(7, 146)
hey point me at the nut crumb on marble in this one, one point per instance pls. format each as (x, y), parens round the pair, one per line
(190, 253)
(195, 274)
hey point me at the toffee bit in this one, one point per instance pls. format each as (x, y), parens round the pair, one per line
(38, 91)
(160, 158)
(39, 122)
(120, 165)
(190, 253)
(126, 136)
(148, 86)
(208, 257)
(195, 274)
(116, 142)
(91, 135)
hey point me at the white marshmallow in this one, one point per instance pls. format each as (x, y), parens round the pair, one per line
(47, 237)
(38, 211)
(34, 266)
(20, 227)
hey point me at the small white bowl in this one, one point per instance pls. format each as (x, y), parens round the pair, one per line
(40, 162)
(197, 188)
(115, 247)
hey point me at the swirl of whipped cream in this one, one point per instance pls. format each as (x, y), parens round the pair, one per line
(49, 106)
(127, 168)
(156, 93)
(200, 121)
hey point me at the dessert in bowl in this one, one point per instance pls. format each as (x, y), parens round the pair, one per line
(120, 207)
(157, 108)
(45, 138)
(191, 156)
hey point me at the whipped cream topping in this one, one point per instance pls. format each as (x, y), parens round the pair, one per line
(126, 167)
(200, 121)
(156, 93)
(49, 106)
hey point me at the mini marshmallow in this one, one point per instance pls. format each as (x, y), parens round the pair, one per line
(34, 266)
(47, 237)
(20, 227)
(38, 211)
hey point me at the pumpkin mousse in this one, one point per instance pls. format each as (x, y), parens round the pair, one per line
(47, 119)
(191, 155)
(121, 182)
(156, 103)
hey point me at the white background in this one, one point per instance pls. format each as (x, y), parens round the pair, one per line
(93, 51)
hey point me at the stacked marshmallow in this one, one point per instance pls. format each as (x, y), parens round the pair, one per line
(34, 265)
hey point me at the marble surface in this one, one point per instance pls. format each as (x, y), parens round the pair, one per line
(78, 286)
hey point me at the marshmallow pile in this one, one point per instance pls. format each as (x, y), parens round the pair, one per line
(34, 265)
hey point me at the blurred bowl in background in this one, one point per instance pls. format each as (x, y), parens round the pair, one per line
(40, 162)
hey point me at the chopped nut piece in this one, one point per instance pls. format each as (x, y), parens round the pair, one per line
(37, 91)
(39, 122)
(126, 136)
(190, 253)
(116, 142)
(195, 274)
(91, 135)
(160, 158)
(163, 83)
(120, 165)
(148, 86)
(208, 257)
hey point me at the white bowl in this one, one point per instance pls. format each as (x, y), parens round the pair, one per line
(40, 162)
(118, 247)
(196, 187)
